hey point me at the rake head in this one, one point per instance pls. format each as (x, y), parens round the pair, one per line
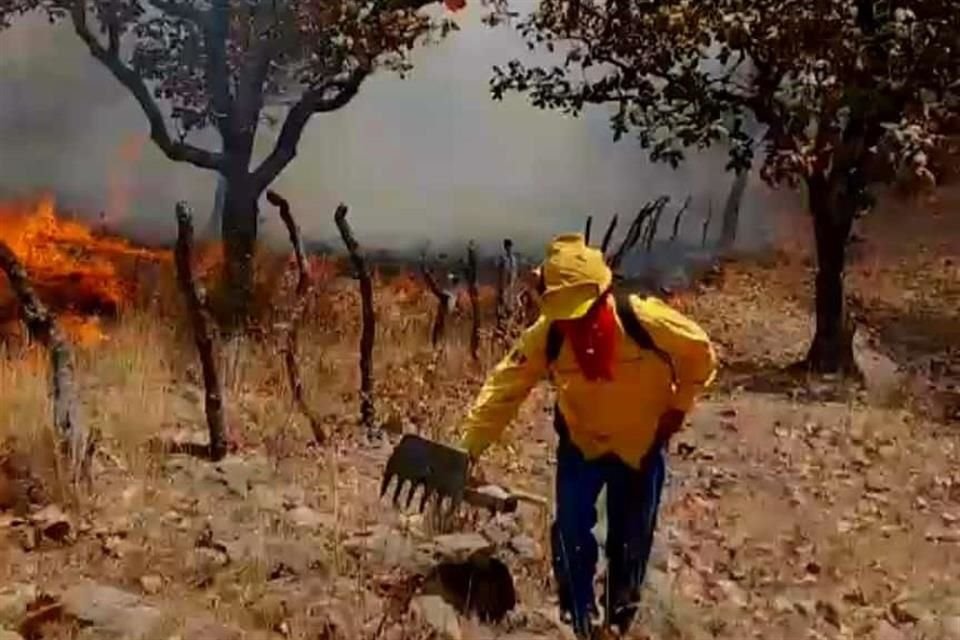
(437, 470)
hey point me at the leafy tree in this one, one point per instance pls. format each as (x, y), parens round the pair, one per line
(198, 64)
(847, 92)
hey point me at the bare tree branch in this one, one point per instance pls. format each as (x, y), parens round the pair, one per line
(203, 336)
(43, 328)
(317, 100)
(109, 57)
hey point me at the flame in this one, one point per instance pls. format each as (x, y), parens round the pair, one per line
(73, 270)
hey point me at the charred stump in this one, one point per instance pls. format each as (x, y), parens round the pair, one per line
(367, 334)
(291, 328)
(636, 232)
(440, 319)
(678, 217)
(42, 327)
(506, 290)
(473, 277)
(608, 236)
(654, 224)
(731, 211)
(705, 232)
(201, 322)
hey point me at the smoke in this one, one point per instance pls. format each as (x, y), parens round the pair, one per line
(427, 159)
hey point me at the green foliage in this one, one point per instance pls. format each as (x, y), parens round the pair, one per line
(879, 79)
(194, 64)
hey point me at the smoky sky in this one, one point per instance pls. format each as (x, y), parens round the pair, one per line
(427, 158)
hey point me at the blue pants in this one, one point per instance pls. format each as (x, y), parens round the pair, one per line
(633, 498)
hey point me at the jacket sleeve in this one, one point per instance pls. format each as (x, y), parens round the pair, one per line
(505, 389)
(693, 356)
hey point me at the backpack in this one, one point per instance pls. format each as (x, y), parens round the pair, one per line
(631, 325)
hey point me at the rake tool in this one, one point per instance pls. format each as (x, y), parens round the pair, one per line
(441, 472)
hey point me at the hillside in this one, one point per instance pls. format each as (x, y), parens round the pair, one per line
(794, 509)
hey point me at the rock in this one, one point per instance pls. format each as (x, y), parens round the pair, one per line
(207, 629)
(112, 612)
(304, 517)
(949, 535)
(950, 628)
(52, 523)
(458, 547)
(333, 620)
(291, 557)
(438, 615)
(204, 563)
(906, 612)
(886, 631)
(236, 474)
(525, 547)
(14, 600)
(732, 593)
(386, 547)
(270, 610)
(876, 481)
(804, 607)
(782, 605)
(266, 498)
(151, 584)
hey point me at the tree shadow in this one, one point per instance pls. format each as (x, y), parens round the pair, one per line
(169, 446)
(794, 381)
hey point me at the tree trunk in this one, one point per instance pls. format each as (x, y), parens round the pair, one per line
(239, 235)
(832, 347)
(731, 211)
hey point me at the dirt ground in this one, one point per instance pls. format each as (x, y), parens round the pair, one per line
(794, 509)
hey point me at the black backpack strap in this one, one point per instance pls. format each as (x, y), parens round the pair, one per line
(554, 343)
(638, 333)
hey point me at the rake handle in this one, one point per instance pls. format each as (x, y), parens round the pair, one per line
(499, 500)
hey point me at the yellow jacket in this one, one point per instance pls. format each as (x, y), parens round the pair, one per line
(618, 416)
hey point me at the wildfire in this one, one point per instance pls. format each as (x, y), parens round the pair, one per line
(74, 270)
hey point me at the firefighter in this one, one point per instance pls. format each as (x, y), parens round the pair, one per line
(627, 371)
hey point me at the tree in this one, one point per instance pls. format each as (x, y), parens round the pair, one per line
(845, 91)
(194, 65)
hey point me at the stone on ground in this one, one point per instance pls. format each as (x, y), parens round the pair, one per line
(14, 600)
(112, 612)
(438, 615)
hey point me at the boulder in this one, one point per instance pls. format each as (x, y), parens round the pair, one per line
(14, 600)
(208, 629)
(434, 612)
(112, 612)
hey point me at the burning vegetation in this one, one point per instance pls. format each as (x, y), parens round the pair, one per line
(81, 274)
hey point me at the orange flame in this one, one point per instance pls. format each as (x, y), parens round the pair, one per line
(73, 270)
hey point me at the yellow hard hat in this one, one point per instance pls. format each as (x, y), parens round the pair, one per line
(574, 276)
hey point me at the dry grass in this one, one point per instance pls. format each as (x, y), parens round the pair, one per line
(798, 465)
